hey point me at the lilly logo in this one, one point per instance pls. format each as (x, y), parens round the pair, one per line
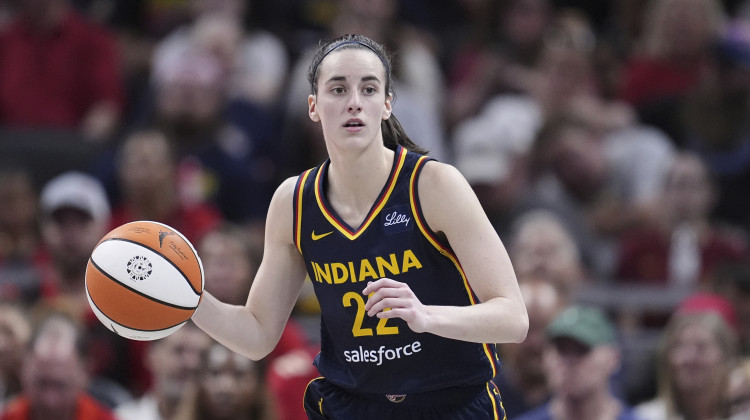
(396, 219)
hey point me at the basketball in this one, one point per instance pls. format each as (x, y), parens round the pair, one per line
(144, 280)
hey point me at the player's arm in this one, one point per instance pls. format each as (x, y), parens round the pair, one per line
(451, 207)
(254, 330)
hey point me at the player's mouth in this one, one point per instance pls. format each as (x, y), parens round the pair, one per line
(354, 124)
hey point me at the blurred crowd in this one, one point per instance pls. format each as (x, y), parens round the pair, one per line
(608, 142)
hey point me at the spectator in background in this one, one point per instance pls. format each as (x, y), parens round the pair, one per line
(255, 61)
(498, 56)
(581, 358)
(714, 123)
(151, 189)
(20, 245)
(15, 331)
(732, 281)
(174, 362)
(672, 55)
(230, 387)
(227, 147)
(738, 394)
(59, 70)
(55, 376)
(694, 359)
(231, 255)
(495, 148)
(541, 247)
(684, 246)
(594, 184)
(522, 377)
(75, 214)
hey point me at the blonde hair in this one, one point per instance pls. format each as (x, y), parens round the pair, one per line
(725, 339)
(655, 41)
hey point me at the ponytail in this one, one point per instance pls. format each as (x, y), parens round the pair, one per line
(394, 135)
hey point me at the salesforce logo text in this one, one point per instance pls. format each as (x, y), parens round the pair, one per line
(362, 355)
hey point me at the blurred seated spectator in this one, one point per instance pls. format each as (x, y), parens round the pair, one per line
(714, 123)
(174, 363)
(230, 387)
(255, 60)
(685, 245)
(150, 188)
(230, 258)
(495, 148)
(20, 246)
(694, 360)
(732, 281)
(59, 70)
(228, 147)
(738, 394)
(671, 56)
(498, 55)
(581, 358)
(522, 379)
(55, 376)
(541, 247)
(596, 183)
(74, 216)
(15, 331)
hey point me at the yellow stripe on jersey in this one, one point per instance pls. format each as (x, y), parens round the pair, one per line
(373, 213)
(443, 250)
(298, 198)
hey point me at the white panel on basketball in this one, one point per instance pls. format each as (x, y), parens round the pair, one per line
(141, 269)
(129, 332)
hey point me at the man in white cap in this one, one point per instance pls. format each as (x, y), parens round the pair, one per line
(75, 214)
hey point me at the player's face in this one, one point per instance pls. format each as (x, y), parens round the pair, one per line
(351, 100)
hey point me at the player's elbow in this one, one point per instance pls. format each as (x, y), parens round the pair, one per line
(520, 328)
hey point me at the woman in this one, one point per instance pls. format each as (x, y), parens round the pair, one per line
(694, 360)
(380, 230)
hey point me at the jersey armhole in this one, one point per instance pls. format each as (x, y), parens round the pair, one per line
(416, 209)
(299, 190)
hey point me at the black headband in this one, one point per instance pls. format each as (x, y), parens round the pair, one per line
(349, 42)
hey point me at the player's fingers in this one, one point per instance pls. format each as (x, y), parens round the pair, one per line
(373, 286)
(385, 305)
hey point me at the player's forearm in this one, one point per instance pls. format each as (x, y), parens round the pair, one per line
(498, 320)
(242, 334)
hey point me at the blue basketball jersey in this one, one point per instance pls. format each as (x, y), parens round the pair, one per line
(383, 355)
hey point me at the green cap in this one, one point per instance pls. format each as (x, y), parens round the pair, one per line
(589, 326)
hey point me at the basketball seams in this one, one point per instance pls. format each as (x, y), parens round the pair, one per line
(113, 322)
(168, 260)
(151, 298)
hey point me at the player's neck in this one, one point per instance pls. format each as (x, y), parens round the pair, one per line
(354, 182)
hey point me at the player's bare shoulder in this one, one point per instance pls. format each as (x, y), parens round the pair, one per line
(280, 211)
(444, 193)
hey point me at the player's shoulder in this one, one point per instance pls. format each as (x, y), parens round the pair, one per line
(440, 175)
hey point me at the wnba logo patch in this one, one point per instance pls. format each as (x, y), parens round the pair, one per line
(139, 268)
(395, 398)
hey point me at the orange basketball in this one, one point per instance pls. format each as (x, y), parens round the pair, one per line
(144, 280)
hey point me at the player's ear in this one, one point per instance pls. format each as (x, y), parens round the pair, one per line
(388, 106)
(311, 108)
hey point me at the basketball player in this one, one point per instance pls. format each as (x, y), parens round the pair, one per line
(413, 281)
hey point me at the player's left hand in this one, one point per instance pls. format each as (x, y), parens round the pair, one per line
(389, 298)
